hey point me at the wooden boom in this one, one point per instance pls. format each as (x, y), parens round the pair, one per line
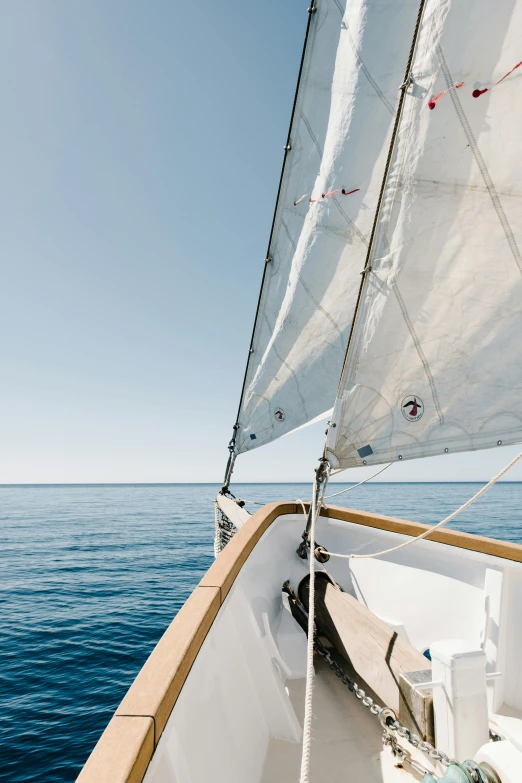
(388, 663)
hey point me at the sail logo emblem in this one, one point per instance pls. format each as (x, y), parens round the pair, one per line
(279, 414)
(412, 408)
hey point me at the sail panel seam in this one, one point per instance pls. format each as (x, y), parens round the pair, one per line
(311, 133)
(350, 222)
(312, 297)
(294, 376)
(418, 346)
(364, 69)
(490, 185)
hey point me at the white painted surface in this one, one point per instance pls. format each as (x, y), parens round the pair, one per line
(508, 723)
(347, 740)
(512, 606)
(237, 514)
(504, 758)
(492, 645)
(460, 704)
(237, 698)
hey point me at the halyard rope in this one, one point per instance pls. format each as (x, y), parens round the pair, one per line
(307, 721)
(317, 499)
(430, 530)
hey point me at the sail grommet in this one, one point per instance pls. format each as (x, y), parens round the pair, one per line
(364, 462)
(446, 451)
(400, 456)
(499, 443)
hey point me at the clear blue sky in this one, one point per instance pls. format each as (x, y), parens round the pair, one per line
(140, 144)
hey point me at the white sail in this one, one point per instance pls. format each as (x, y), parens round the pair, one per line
(354, 65)
(434, 364)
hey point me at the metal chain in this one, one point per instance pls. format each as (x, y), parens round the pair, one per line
(387, 717)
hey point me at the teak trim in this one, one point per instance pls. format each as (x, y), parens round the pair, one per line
(125, 748)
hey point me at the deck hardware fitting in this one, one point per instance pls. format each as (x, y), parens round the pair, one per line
(421, 686)
(406, 83)
(387, 717)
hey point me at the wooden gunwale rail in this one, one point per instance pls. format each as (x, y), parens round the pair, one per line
(124, 750)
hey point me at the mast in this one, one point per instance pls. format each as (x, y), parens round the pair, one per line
(288, 146)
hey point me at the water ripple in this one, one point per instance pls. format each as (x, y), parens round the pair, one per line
(92, 576)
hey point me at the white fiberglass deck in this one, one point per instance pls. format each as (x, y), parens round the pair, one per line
(347, 739)
(238, 717)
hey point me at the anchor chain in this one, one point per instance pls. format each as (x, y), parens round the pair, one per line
(387, 717)
(467, 772)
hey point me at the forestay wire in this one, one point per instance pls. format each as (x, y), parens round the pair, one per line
(430, 530)
(342, 492)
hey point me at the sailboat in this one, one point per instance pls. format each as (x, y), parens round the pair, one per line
(328, 644)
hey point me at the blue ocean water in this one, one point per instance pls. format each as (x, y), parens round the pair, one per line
(93, 574)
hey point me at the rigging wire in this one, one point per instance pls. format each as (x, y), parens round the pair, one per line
(288, 146)
(342, 492)
(430, 530)
(335, 494)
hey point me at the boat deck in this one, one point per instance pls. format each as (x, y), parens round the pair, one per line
(347, 739)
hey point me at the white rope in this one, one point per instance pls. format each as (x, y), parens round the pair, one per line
(317, 500)
(307, 722)
(440, 524)
(305, 512)
(359, 484)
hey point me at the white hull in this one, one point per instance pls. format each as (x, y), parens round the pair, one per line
(221, 697)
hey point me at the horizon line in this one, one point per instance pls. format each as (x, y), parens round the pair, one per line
(219, 483)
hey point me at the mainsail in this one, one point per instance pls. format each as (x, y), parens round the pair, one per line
(352, 69)
(434, 363)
